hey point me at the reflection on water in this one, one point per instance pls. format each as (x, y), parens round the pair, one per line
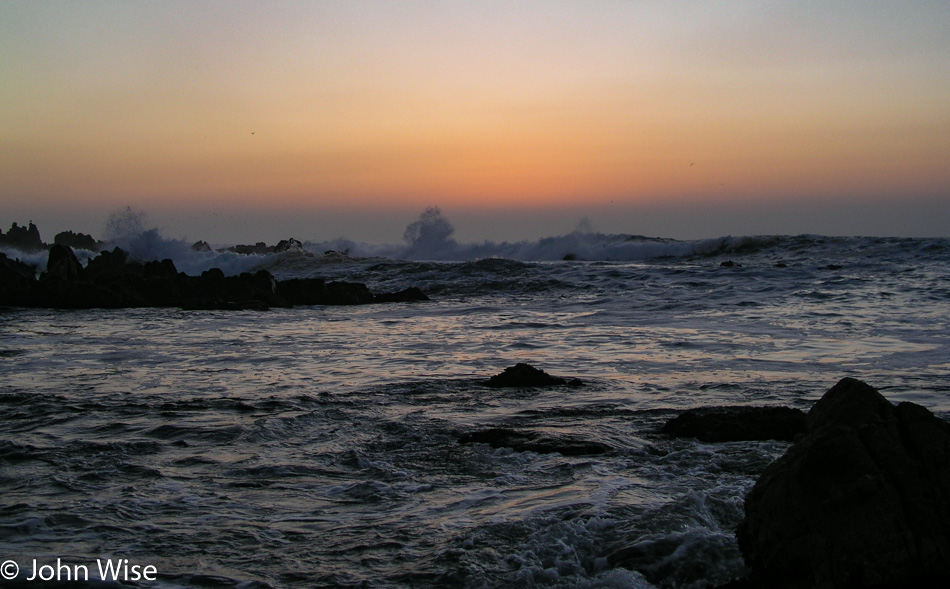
(320, 446)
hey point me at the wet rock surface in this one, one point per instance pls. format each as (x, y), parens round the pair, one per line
(525, 375)
(736, 423)
(859, 501)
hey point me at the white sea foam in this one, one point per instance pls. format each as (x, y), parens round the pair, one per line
(325, 441)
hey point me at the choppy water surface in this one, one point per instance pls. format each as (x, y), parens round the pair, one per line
(319, 446)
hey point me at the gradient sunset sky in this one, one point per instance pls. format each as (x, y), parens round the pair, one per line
(256, 121)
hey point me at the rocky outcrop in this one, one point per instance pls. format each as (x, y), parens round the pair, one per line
(111, 280)
(261, 248)
(16, 281)
(525, 375)
(80, 241)
(861, 500)
(63, 264)
(23, 238)
(735, 424)
(316, 291)
(527, 441)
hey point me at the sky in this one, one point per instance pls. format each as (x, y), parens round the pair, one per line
(255, 121)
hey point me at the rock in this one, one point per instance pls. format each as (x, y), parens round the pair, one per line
(62, 264)
(111, 280)
(201, 246)
(727, 264)
(164, 269)
(108, 266)
(76, 241)
(285, 245)
(525, 375)
(734, 424)
(214, 290)
(258, 248)
(16, 281)
(348, 293)
(859, 501)
(533, 442)
(23, 238)
(303, 291)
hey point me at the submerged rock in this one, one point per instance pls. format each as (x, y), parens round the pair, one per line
(408, 295)
(734, 424)
(533, 442)
(861, 500)
(525, 375)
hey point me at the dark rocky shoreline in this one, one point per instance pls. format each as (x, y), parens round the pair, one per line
(112, 281)
(859, 500)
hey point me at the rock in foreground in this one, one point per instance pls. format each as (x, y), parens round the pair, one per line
(861, 500)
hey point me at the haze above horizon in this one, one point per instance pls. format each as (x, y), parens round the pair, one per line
(243, 121)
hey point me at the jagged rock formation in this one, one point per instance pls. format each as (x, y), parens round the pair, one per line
(23, 238)
(77, 241)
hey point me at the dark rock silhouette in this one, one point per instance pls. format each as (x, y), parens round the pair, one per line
(533, 442)
(316, 291)
(23, 238)
(16, 281)
(261, 247)
(63, 264)
(525, 375)
(77, 241)
(734, 424)
(861, 500)
(285, 245)
(111, 280)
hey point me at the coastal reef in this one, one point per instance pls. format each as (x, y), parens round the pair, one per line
(112, 280)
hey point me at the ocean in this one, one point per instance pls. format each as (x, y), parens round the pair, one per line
(321, 446)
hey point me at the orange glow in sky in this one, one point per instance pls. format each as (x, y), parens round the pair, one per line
(483, 106)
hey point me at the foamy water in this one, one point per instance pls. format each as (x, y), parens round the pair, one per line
(320, 446)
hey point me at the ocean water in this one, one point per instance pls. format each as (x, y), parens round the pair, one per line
(319, 446)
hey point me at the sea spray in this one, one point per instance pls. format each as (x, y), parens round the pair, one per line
(320, 446)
